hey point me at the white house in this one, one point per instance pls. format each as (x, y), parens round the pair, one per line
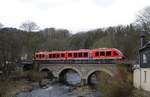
(141, 75)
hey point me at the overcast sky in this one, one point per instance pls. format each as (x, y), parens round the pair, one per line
(74, 15)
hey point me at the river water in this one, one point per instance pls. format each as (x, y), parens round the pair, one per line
(58, 90)
(61, 90)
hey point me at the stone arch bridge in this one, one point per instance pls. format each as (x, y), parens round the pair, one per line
(84, 70)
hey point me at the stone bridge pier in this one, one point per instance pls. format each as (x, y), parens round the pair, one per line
(84, 70)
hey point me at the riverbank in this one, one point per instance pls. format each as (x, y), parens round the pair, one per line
(11, 88)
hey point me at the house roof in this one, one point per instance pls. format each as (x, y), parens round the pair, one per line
(145, 47)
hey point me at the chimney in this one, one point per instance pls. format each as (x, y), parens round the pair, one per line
(143, 39)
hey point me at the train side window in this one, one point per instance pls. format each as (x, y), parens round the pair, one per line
(37, 56)
(108, 53)
(57, 55)
(115, 53)
(54, 55)
(102, 53)
(75, 54)
(97, 54)
(69, 54)
(62, 55)
(85, 54)
(50, 55)
(43, 55)
(80, 54)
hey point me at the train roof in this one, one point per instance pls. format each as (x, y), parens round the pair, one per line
(105, 49)
(80, 50)
(41, 52)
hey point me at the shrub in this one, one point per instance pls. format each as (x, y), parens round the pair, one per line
(119, 86)
(35, 76)
(4, 87)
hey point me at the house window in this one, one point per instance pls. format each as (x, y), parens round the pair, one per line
(144, 58)
(145, 77)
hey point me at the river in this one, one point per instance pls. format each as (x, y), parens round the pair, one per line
(61, 90)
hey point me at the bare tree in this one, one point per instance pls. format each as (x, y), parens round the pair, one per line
(29, 26)
(143, 18)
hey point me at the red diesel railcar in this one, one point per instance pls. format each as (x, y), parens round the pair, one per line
(100, 55)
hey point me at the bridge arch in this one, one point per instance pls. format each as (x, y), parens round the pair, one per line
(47, 73)
(69, 68)
(100, 70)
(90, 73)
(44, 69)
(62, 75)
